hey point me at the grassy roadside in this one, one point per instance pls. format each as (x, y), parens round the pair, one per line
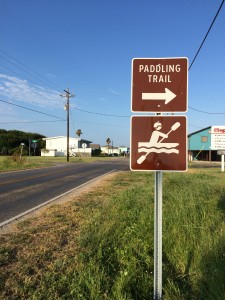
(100, 245)
(8, 164)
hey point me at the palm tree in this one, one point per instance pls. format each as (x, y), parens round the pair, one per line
(79, 132)
(108, 141)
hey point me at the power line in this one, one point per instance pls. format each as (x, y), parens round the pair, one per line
(201, 111)
(206, 35)
(102, 124)
(30, 71)
(50, 83)
(39, 78)
(37, 111)
(206, 112)
(17, 73)
(25, 122)
(102, 114)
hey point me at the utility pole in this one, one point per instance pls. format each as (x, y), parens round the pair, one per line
(67, 108)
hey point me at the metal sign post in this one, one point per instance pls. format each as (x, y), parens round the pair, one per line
(222, 153)
(159, 143)
(158, 237)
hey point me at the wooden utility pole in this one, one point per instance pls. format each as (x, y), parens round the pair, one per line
(67, 108)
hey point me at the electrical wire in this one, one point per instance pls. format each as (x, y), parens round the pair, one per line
(50, 83)
(39, 78)
(29, 71)
(29, 79)
(101, 114)
(206, 35)
(37, 111)
(196, 55)
(25, 122)
(17, 73)
(206, 112)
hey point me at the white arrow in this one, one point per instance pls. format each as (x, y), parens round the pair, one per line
(167, 96)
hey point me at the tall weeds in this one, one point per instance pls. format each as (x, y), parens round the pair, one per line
(101, 246)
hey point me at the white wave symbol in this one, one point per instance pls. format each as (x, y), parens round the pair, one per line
(158, 150)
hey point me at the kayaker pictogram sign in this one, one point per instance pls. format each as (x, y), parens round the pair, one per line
(158, 143)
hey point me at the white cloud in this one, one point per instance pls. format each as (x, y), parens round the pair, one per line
(20, 89)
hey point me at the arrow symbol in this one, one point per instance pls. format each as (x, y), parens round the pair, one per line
(167, 96)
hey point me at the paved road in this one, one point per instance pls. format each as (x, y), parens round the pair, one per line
(23, 190)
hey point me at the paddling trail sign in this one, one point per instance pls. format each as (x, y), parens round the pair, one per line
(159, 143)
(159, 84)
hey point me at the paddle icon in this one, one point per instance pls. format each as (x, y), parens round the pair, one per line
(155, 143)
(173, 128)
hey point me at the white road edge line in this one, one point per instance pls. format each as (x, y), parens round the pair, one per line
(51, 200)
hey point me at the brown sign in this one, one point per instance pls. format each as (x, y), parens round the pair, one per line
(159, 84)
(158, 143)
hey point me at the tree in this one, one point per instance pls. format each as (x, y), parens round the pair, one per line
(108, 141)
(79, 132)
(10, 141)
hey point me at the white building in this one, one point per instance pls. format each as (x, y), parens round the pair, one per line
(124, 150)
(110, 150)
(57, 146)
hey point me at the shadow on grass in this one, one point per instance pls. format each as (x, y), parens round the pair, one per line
(180, 281)
(221, 204)
(212, 284)
(203, 275)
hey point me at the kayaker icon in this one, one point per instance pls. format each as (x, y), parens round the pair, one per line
(155, 144)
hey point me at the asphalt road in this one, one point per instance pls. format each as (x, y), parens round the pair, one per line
(23, 190)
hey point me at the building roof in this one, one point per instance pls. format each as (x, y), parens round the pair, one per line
(85, 141)
(203, 129)
(54, 137)
(109, 147)
(95, 146)
(71, 138)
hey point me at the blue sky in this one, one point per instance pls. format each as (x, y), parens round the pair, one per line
(88, 46)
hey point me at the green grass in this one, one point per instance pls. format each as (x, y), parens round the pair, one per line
(8, 164)
(100, 245)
